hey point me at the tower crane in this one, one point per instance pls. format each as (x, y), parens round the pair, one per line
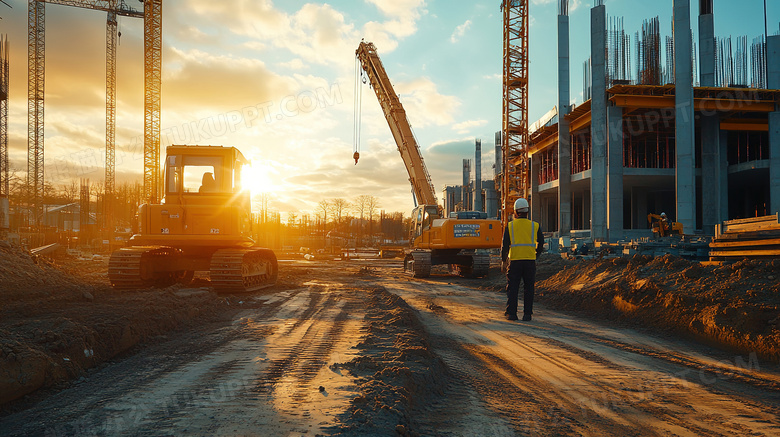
(36, 27)
(433, 239)
(515, 178)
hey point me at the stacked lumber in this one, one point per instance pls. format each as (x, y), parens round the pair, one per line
(755, 237)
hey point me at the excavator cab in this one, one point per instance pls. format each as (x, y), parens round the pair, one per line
(202, 224)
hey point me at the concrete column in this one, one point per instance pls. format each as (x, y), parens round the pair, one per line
(723, 163)
(706, 44)
(711, 172)
(615, 174)
(774, 162)
(773, 82)
(598, 164)
(536, 203)
(685, 172)
(564, 136)
(478, 177)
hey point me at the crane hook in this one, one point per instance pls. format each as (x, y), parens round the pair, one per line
(356, 156)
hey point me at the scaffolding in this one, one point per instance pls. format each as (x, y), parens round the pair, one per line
(580, 151)
(649, 140)
(549, 165)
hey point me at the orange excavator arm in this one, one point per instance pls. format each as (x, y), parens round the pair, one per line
(399, 124)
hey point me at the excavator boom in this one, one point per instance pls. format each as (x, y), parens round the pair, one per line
(399, 124)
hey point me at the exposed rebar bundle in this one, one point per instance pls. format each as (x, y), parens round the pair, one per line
(758, 63)
(724, 62)
(649, 53)
(668, 74)
(741, 62)
(618, 53)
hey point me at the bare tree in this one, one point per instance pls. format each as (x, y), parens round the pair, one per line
(291, 218)
(372, 205)
(339, 207)
(322, 210)
(360, 205)
(70, 191)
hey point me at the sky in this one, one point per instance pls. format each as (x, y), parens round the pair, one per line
(277, 80)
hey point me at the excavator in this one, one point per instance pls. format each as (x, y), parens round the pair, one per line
(434, 239)
(662, 227)
(202, 224)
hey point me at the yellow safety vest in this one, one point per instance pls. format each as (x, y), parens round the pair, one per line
(522, 234)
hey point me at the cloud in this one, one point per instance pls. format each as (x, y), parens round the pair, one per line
(318, 33)
(293, 64)
(465, 126)
(403, 9)
(424, 104)
(203, 80)
(460, 31)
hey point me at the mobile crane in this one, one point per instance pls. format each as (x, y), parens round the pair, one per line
(433, 239)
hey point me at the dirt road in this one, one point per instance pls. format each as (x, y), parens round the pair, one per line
(343, 354)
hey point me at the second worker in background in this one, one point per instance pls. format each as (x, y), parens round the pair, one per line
(523, 242)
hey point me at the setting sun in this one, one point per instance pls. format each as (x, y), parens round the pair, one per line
(259, 178)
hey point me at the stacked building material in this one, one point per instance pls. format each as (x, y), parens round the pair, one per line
(756, 237)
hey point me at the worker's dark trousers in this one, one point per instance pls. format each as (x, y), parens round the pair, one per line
(520, 270)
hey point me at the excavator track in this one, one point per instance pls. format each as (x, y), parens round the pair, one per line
(133, 267)
(480, 265)
(477, 267)
(243, 270)
(418, 264)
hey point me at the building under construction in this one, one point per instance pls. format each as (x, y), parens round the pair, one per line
(696, 137)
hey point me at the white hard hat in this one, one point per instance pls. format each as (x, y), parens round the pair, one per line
(663, 214)
(521, 205)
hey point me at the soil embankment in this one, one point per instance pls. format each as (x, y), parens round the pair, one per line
(736, 307)
(59, 320)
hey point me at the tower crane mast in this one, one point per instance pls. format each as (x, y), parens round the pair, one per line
(152, 15)
(516, 177)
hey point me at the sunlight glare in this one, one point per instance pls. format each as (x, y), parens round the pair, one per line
(259, 178)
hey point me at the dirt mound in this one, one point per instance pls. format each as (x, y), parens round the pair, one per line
(58, 321)
(396, 370)
(734, 306)
(548, 264)
(21, 275)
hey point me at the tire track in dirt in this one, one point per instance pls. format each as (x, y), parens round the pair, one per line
(603, 386)
(143, 388)
(511, 409)
(312, 339)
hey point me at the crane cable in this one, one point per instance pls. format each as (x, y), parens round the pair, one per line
(358, 104)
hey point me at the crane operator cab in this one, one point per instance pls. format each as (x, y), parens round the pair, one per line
(202, 224)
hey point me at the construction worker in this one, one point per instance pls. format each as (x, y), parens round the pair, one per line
(523, 242)
(665, 226)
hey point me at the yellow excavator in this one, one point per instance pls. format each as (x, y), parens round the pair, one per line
(662, 227)
(203, 224)
(434, 239)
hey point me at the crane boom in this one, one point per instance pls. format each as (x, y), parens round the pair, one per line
(399, 125)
